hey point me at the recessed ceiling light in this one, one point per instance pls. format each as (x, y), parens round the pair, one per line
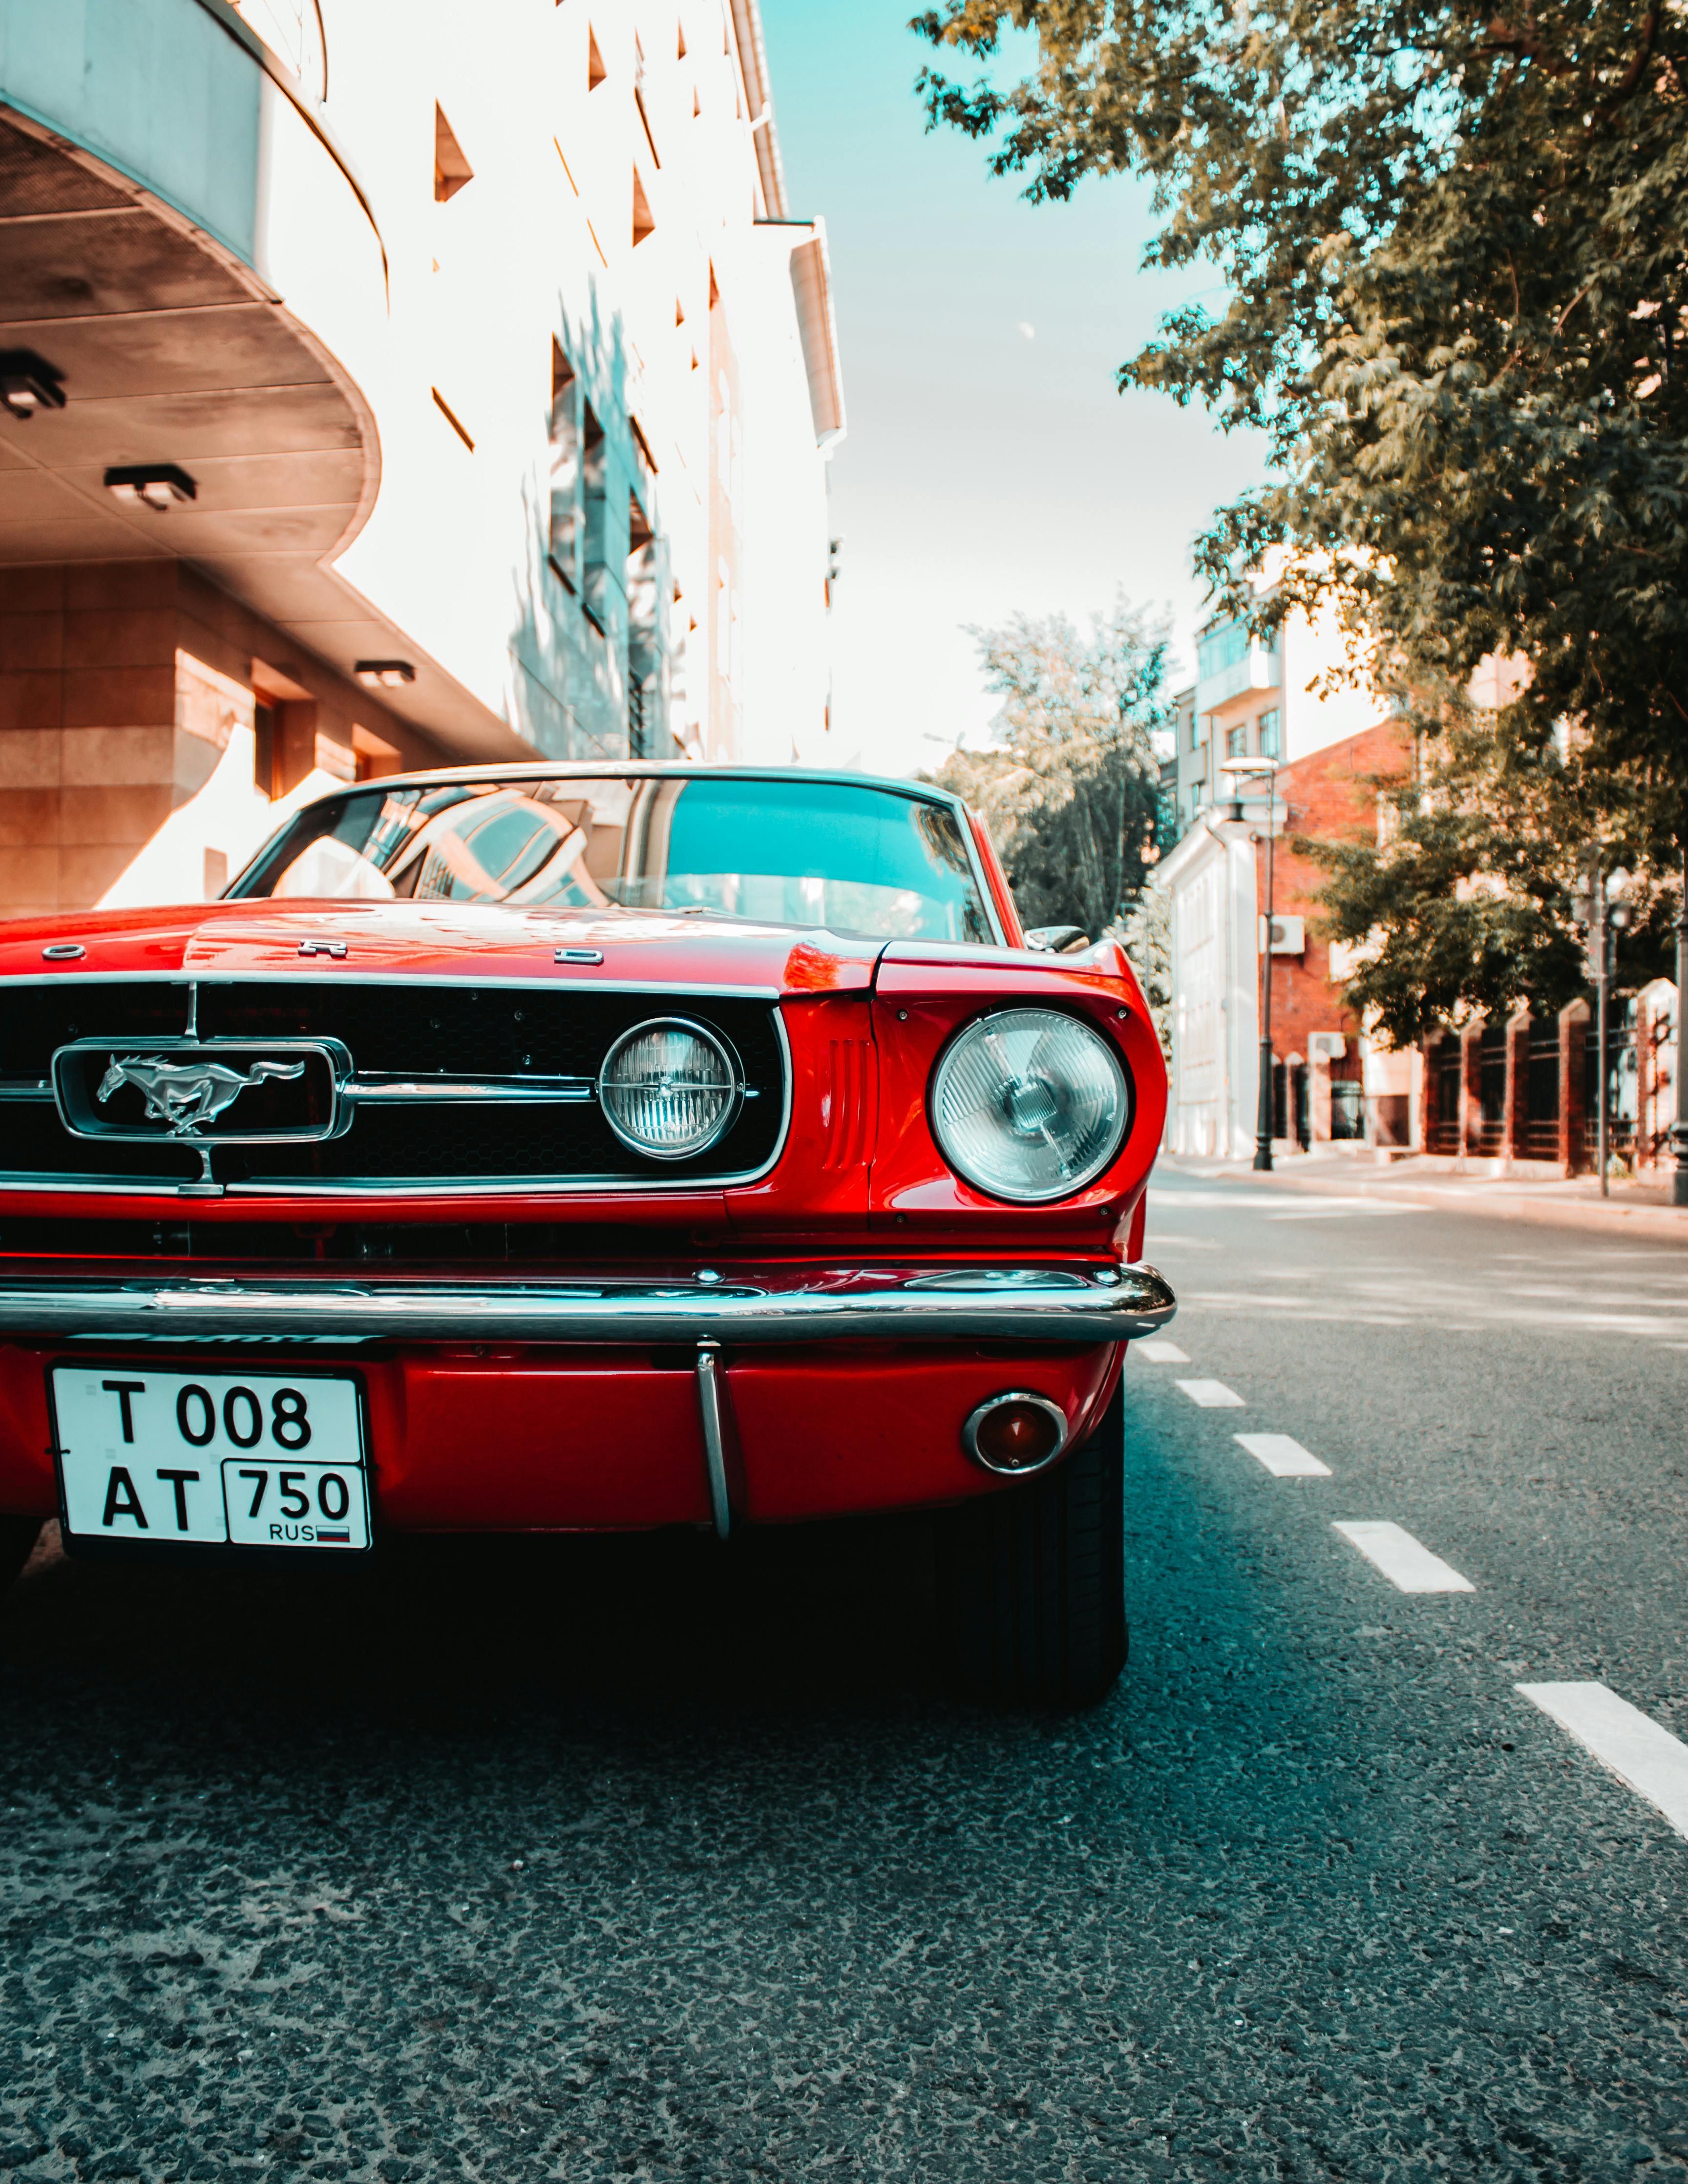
(28, 383)
(384, 674)
(157, 486)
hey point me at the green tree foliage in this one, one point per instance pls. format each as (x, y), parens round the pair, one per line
(1455, 242)
(1469, 901)
(1070, 787)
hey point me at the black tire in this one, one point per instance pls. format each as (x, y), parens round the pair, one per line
(1032, 1580)
(18, 1536)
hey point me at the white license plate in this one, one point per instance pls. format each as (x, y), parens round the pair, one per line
(242, 1459)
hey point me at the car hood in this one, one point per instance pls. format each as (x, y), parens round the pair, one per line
(425, 940)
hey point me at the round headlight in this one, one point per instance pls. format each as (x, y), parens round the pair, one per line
(669, 1089)
(1029, 1105)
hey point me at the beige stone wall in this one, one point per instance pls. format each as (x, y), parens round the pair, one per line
(121, 685)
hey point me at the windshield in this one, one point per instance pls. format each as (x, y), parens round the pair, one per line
(849, 856)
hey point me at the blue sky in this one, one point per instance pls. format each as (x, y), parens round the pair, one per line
(984, 470)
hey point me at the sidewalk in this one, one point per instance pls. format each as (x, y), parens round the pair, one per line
(1633, 1208)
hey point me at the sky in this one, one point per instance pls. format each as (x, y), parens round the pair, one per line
(990, 464)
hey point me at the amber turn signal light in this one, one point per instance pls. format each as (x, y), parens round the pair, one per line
(1015, 1434)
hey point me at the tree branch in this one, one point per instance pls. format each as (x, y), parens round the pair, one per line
(1630, 80)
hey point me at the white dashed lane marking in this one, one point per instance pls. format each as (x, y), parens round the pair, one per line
(1162, 1353)
(1408, 1566)
(1340, 1213)
(1212, 1395)
(1649, 1759)
(1282, 1456)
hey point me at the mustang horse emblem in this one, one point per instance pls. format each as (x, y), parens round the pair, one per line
(187, 1094)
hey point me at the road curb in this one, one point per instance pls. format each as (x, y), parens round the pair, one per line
(1668, 1223)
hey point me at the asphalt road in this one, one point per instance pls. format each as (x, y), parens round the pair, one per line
(631, 1859)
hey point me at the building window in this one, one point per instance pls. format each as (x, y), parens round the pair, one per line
(644, 664)
(1222, 647)
(266, 751)
(1269, 744)
(1196, 731)
(1237, 740)
(372, 755)
(565, 541)
(452, 419)
(451, 170)
(595, 516)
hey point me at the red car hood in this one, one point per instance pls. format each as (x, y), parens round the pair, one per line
(439, 940)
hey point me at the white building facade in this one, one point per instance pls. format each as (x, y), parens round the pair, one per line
(1254, 699)
(387, 389)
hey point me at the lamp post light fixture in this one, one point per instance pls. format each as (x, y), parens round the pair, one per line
(1240, 769)
(1601, 908)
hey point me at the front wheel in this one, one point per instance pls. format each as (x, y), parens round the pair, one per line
(1032, 1580)
(18, 1536)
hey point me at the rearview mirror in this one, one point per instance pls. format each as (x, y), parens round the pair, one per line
(1056, 940)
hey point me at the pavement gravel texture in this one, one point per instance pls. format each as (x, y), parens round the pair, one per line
(632, 1859)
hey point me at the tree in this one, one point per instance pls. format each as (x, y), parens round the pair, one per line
(1071, 788)
(1455, 237)
(1466, 898)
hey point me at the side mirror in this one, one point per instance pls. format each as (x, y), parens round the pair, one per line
(1056, 940)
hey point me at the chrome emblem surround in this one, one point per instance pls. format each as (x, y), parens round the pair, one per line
(187, 1084)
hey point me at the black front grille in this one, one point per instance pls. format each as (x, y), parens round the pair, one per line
(413, 1031)
(35, 1020)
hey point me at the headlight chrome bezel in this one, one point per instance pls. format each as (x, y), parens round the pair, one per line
(1068, 1187)
(732, 1069)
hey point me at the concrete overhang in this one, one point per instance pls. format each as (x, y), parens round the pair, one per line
(170, 347)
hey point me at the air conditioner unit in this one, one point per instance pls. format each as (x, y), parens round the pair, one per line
(1326, 1046)
(1288, 935)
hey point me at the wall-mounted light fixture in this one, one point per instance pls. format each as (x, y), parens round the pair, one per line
(157, 486)
(28, 383)
(384, 674)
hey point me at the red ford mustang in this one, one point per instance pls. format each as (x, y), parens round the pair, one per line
(580, 1148)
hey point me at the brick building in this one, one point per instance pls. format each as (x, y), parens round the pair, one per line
(1330, 1081)
(1502, 1096)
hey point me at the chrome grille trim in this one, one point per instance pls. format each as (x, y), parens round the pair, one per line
(424, 1091)
(398, 1092)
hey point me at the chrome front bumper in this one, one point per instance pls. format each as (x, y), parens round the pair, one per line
(1028, 1304)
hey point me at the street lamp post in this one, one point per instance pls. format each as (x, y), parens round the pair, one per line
(1598, 964)
(1606, 913)
(1240, 769)
(1679, 1181)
